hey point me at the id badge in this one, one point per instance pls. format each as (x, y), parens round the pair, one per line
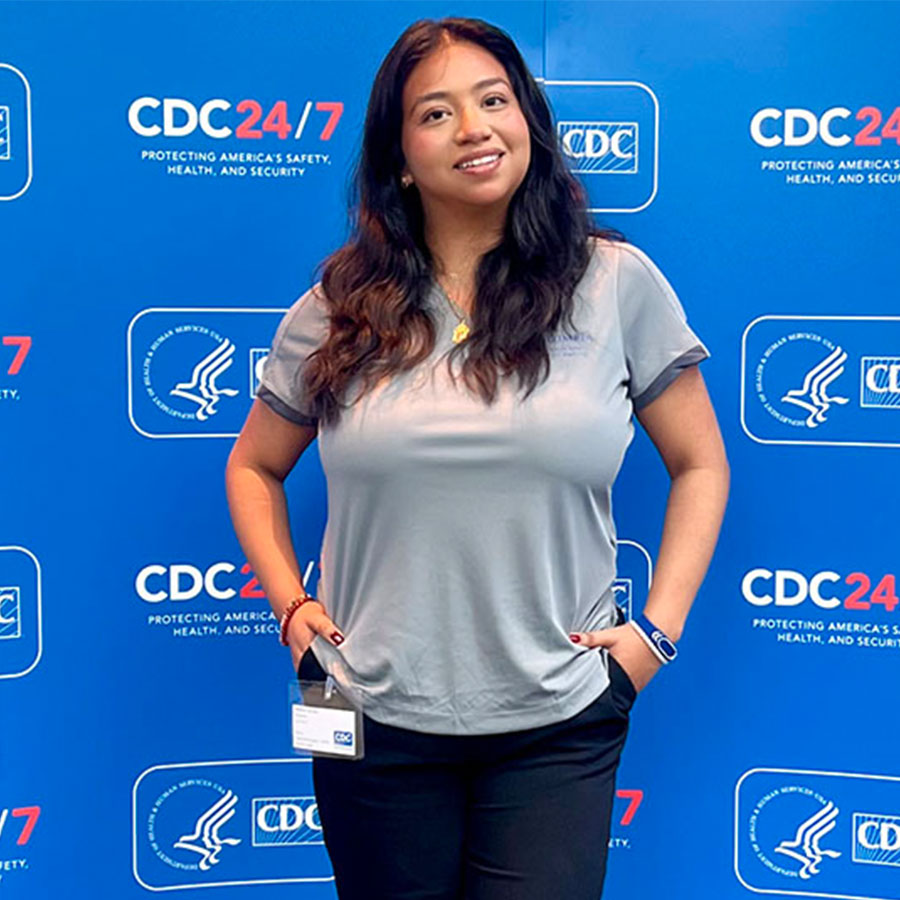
(323, 721)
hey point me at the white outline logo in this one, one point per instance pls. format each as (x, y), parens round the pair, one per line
(204, 840)
(240, 769)
(813, 395)
(807, 839)
(27, 147)
(819, 873)
(200, 388)
(811, 389)
(654, 174)
(38, 611)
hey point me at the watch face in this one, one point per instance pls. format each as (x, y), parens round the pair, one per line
(666, 647)
(663, 644)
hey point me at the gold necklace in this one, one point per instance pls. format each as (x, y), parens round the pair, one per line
(461, 332)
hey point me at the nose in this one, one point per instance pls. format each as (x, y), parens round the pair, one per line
(471, 125)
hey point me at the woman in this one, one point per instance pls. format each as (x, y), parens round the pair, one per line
(470, 362)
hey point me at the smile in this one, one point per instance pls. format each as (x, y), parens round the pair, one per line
(485, 163)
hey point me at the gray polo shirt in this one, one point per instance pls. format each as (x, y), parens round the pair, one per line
(464, 542)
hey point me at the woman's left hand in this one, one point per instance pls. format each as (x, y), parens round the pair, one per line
(628, 649)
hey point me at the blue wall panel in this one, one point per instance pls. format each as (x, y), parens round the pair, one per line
(750, 148)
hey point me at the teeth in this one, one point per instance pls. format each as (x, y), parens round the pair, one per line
(479, 162)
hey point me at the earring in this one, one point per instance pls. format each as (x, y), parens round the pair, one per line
(406, 180)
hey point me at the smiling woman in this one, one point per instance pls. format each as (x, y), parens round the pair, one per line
(505, 243)
(469, 557)
(461, 118)
(469, 124)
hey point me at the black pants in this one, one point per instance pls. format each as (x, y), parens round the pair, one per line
(521, 815)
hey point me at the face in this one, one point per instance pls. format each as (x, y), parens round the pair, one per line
(469, 119)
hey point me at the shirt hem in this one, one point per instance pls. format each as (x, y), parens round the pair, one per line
(551, 712)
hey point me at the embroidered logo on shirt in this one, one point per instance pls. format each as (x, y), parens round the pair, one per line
(563, 344)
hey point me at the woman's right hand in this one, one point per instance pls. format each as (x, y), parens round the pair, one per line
(308, 621)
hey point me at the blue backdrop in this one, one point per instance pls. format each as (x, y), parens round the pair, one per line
(170, 174)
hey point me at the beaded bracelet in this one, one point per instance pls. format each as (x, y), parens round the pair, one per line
(292, 607)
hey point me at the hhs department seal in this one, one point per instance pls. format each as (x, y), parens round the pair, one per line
(181, 371)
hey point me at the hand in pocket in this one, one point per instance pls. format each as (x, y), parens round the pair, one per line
(307, 622)
(622, 642)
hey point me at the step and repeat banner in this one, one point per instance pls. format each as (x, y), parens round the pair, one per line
(171, 174)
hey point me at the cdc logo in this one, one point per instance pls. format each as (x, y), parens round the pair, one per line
(15, 132)
(798, 127)
(601, 146)
(20, 612)
(876, 839)
(283, 821)
(608, 132)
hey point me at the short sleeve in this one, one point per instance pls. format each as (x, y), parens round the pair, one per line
(303, 328)
(658, 342)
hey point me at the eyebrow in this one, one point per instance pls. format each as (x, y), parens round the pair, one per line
(440, 95)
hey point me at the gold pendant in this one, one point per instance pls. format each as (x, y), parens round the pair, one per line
(460, 333)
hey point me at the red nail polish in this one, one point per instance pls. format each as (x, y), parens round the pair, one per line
(575, 637)
(337, 638)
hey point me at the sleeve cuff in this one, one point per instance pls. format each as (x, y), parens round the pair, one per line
(693, 356)
(279, 406)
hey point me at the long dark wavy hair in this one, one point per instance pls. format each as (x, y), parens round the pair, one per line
(375, 286)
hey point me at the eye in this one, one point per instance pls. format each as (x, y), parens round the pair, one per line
(427, 117)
